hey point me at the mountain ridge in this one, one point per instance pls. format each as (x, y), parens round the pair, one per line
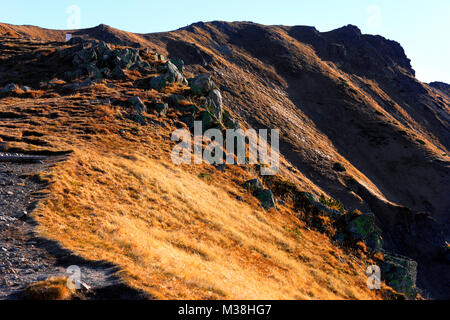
(338, 97)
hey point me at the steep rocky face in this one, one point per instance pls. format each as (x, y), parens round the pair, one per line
(367, 96)
(362, 54)
(337, 97)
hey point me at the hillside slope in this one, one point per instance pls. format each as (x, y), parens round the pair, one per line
(173, 232)
(341, 97)
(337, 97)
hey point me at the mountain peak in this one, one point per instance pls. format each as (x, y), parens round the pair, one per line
(442, 86)
(103, 27)
(350, 30)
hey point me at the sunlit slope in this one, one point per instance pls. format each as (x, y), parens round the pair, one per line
(176, 232)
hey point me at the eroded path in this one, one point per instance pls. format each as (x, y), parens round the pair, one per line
(24, 257)
(21, 262)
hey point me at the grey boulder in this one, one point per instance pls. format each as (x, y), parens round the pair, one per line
(201, 84)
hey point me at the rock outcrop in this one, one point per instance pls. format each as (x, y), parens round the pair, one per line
(265, 196)
(97, 60)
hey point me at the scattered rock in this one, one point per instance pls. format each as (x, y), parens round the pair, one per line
(12, 87)
(214, 104)
(91, 71)
(201, 84)
(23, 216)
(208, 120)
(137, 104)
(400, 273)
(253, 185)
(137, 117)
(173, 75)
(160, 57)
(363, 228)
(179, 64)
(229, 122)
(125, 58)
(265, 196)
(161, 108)
(78, 85)
(175, 99)
(26, 88)
(157, 83)
(323, 209)
(97, 59)
(118, 73)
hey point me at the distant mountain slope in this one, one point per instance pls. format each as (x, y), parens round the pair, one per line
(341, 97)
(337, 97)
(31, 32)
(443, 87)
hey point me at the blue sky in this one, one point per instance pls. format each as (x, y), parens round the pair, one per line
(422, 27)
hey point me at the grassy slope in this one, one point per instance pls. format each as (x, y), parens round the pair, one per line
(172, 233)
(176, 236)
(119, 198)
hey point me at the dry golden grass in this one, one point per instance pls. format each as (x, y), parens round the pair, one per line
(172, 233)
(25, 94)
(177, 236)
(133, 74)
(50, 289)
(174, 88)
